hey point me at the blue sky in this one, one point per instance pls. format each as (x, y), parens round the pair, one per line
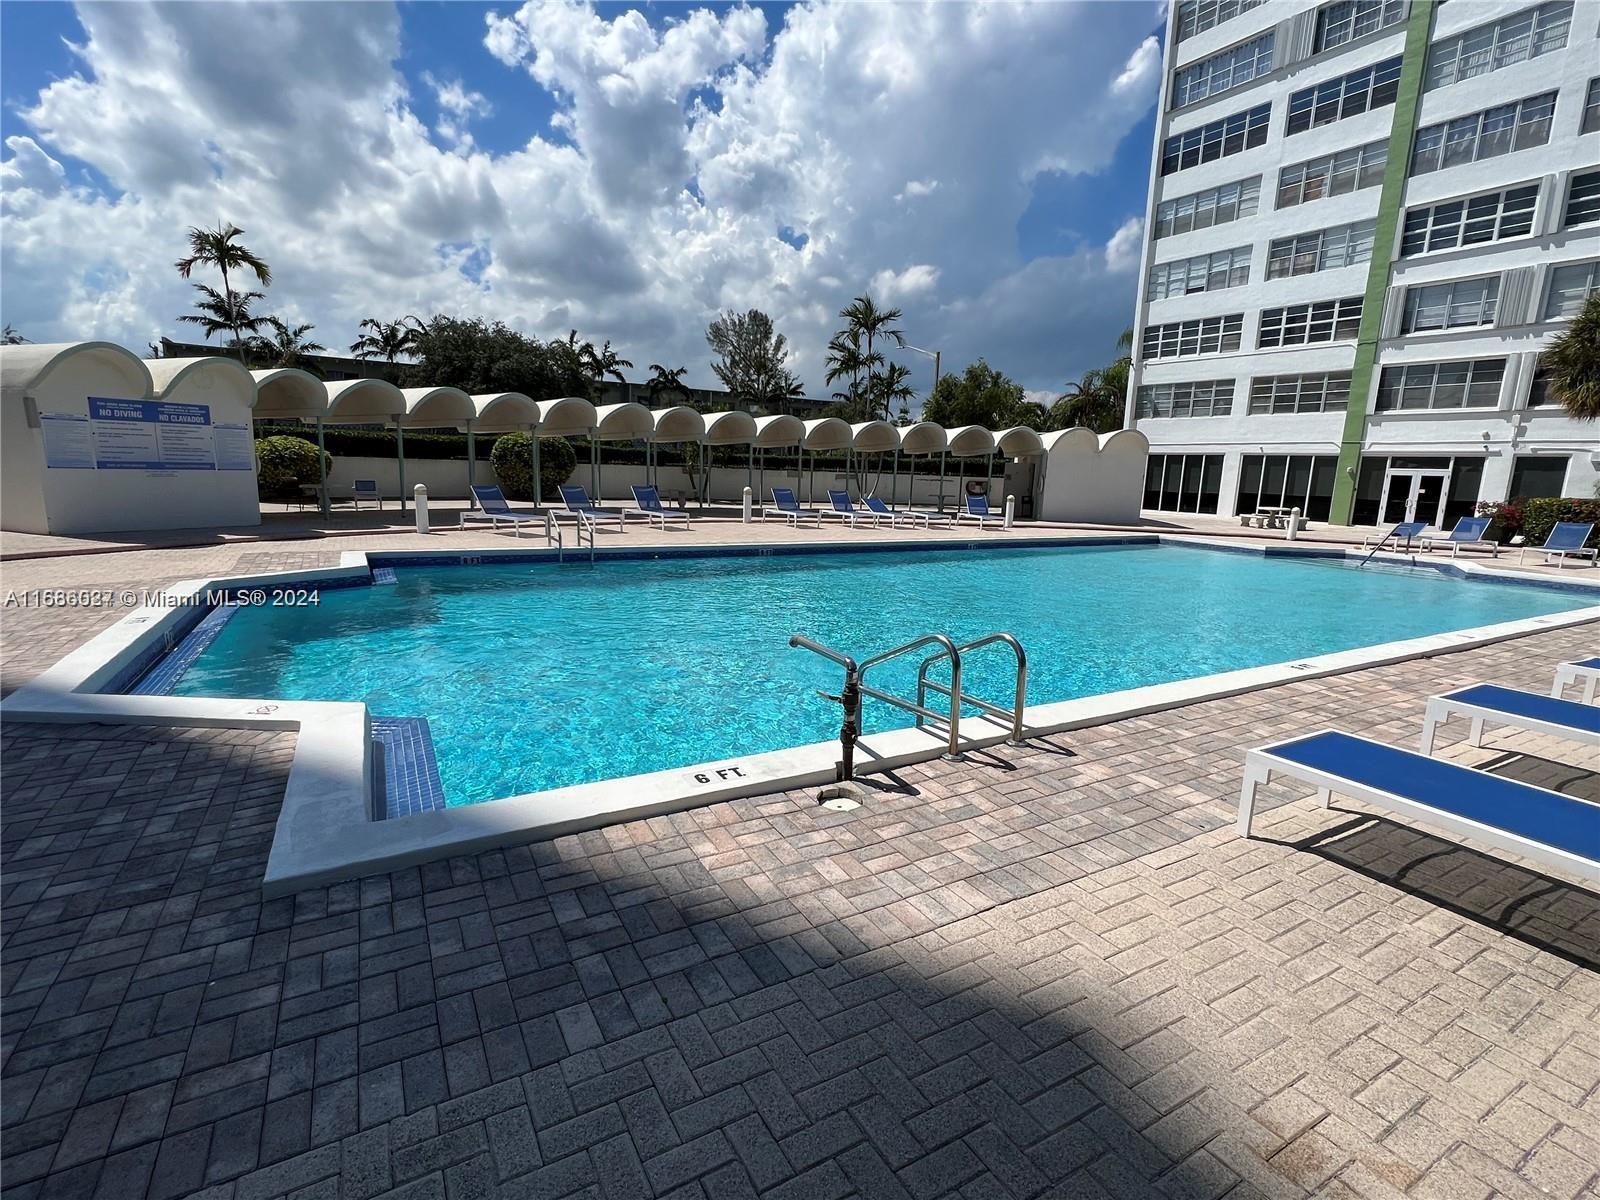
(629, 170)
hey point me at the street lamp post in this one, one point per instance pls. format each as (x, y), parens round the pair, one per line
(933, 354)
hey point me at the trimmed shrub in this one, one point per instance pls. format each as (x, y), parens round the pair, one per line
(283, 463)
(1534, 519)
(512, 458)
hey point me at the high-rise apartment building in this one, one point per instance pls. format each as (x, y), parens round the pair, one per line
(1366, 217)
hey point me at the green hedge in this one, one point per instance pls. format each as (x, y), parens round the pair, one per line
(513, 465)
(1534, 519)
(283, 463)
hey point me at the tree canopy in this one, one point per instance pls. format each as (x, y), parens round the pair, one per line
(752, 358)
(477, 357)
(979, 395)
(1573, 360)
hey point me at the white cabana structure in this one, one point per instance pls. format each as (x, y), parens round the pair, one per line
(1093, 478)
(93, 442)
(625, 422)
(968, 441)
(734, 428)
(565, 416)
(923, 439)
(871, 437)
(429, 408)
(1018, 442)
(288, 393)
(825, 433)
(499, 412)
(676, 424)
(775, 433)
(371, 402)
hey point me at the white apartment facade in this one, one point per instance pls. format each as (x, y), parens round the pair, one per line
(1365, 219)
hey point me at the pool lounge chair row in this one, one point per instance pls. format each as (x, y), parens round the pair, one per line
(1567, 540)
(492, 507)
(1537, 823)
(873, 511)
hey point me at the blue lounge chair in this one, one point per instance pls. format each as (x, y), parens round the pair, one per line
(847, 512)
(576, 501)
(495, 509)
(909, 515)
(1566, 541)
(1583, 671)
(1403, 532)
(366, 489)
(978, 510)
(1545, 826)
(1488, 702)
(1468, 533)
(647, 504)
(786, 506)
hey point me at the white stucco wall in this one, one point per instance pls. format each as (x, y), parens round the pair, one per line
(1097, 479)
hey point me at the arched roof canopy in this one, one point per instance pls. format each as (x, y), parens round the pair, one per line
(922, 438)
(736, 428)
(168, 375)
(290, 392)
(677, 424)
(568, 416)
(364, 402)
(1077, 433)
(28, 366)
(827, 433)
(1018, 442)
(430, 408)
(623, 422)
(874, 437)
(773, 433)
(969, 441)
(503, 412)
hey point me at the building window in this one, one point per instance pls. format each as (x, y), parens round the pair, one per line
(1539, 390)
(1570, 286)
(1197, 16)
(1184, 339)
(1219, 139)
(1487, 134)
(1189, 483)
(1202, 273)
(1231, 68)
(1583, 200)
(1347, 96)
(1528, 34)
(1323, 391)
(1453, 305)
(1202, 398)
(1591, 108)
(1303, 481)
(1332, 174)
(1201, 210)
(1302, 324)
(1349, 19)
(1452, 223)
(1536, 477)
(1320, 250)
(1418, 386)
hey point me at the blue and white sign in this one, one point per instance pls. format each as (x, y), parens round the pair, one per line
(67, 443)
(236, 449)
(148, 435)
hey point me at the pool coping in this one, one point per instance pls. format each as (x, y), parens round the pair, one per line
(328, 829)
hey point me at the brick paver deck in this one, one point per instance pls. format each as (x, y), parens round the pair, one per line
(1053, 971)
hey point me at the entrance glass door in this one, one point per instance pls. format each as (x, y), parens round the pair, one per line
(1414, 496)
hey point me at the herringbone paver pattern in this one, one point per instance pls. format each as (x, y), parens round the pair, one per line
(1046, 972)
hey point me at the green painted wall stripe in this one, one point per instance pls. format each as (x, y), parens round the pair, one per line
(1401, 134)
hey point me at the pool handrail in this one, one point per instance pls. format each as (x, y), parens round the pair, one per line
(854, 674)
(1013, 714)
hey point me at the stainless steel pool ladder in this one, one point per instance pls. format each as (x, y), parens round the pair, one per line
(553, 537)
(855, 687)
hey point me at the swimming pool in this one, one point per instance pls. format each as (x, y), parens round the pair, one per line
(538, 675)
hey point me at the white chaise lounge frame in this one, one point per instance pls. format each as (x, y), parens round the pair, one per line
(1261, 765)
(1441, 708)
(1569, 673)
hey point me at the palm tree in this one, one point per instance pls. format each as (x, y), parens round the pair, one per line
(12, 338)
(226, 312)
(606, 362)
(666, 382)
(895, 387)
(1572, 360)
(853, 350)
(846, 360)
(387, 340)
(221, 248)
(288, 345)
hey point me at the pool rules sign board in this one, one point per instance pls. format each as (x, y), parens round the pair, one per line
(145, 435)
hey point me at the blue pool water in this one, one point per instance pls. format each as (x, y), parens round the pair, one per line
(536, 675)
